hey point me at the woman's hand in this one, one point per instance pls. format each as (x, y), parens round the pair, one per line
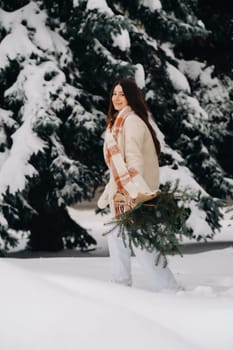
(121, 199)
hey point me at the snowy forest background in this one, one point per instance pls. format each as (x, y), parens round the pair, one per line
(58, 60)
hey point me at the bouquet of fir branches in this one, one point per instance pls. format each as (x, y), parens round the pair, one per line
(157, 224)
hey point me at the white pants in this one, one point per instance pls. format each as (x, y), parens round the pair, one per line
(157, 276)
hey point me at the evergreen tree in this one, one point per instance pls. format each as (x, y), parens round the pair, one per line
(209, 69)
(58, 60)
(48, 136)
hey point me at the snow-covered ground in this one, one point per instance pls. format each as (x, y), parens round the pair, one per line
(69, 303)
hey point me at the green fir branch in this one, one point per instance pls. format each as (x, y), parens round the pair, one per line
(157, 224)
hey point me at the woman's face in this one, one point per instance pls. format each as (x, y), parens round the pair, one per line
(118, 98)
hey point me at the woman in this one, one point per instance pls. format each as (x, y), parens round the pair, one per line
(131, 151)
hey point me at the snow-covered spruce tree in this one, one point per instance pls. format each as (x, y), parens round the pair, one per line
(119, 37)
(50, 150)
(207, 62)
(180, 111)
(217, 47)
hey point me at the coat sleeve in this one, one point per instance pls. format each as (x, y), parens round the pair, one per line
(134, 134)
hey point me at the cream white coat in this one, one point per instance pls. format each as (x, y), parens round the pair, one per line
(138, 151)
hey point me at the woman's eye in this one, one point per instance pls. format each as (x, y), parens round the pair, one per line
(120, 94)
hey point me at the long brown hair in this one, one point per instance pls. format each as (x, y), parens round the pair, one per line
(136, 101)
